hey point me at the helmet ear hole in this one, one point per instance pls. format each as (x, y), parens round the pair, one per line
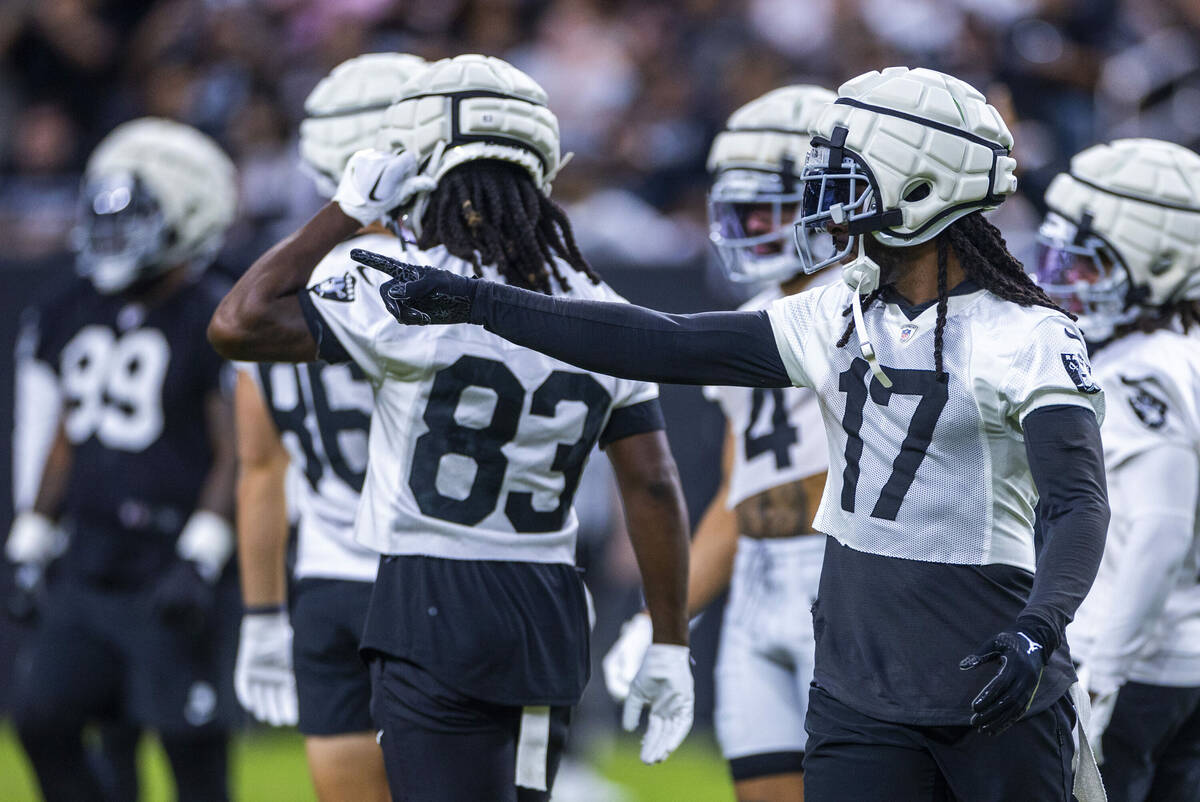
(917, 191)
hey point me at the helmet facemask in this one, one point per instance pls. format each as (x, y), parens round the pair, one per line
(1083, 274)
(838, 188)
(752, 214)
(121, 232)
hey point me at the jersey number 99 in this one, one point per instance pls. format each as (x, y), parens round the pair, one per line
(113, 385)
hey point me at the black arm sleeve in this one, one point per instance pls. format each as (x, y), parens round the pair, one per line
(1067, 462)
(632, 342)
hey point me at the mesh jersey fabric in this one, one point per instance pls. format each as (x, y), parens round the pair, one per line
(933, 470)
(476, 444)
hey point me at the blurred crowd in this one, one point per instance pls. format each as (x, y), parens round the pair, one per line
(640, 88)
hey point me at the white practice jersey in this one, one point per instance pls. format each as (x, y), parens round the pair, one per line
(323, 413)
(476, 445)
(963, 497)
(777, 431)
(1141, 620)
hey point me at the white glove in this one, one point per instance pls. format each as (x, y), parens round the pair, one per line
(665, 683)
(622, 661)
(375, 184)
(263, 676)
(207, 540)
(34, 540)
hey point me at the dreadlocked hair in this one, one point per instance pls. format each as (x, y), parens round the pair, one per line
(983, 254)
(489, 212)
(943, 303)
(1186, 312)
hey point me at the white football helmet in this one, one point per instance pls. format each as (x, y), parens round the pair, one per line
(900, 155)
(1122, 233)
(156, 194)
(345, 112)
(468, 108)
(755, 196)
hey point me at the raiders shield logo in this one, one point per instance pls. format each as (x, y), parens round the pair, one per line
(1080, 372)
(1150, 409)
(907, 331)
(335, 288)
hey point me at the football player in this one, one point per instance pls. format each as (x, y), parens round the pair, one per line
(1121, 248)
(954, 395)
(477, 627)
(775, 464)
(140, 474)
(315, 417)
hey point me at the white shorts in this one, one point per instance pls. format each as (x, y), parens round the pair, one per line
(765, 660)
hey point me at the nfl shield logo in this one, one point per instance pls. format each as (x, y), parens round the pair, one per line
(907, 331)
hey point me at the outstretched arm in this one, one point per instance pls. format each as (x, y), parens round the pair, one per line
(722, 348)
(631, 342)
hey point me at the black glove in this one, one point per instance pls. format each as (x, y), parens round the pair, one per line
(1010, 693)
(419, 296)
(183, 599)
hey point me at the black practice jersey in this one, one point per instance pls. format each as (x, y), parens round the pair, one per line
(133, 381)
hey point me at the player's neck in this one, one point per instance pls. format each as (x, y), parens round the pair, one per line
(795, 284)
(916, 278)
(160, 288)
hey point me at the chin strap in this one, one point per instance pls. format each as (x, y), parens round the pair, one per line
(862, 276)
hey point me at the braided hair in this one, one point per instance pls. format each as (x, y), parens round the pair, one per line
(984, 257)
(1186, 312)
(488, 212)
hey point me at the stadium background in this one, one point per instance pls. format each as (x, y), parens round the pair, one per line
(640, 88)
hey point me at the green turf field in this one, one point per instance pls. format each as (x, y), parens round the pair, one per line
(269, 767)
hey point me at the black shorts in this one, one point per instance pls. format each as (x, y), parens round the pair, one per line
(1152, 744)
(441, 746)
(855, 758)
(104, 654)
(333, 684)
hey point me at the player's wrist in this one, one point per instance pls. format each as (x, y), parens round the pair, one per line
(672, 653)
(672, 631)
(268, 609)
(1039, 633)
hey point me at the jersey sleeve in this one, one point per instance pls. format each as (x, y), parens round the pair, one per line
(345, 315)
(1051, 369)
(792, 320)
(1151, 409)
